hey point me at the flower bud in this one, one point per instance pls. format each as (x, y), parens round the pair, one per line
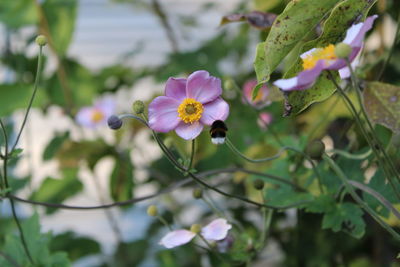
(138, 107)
(195, 228)
(315, 149)
(229, 85)
(197, 193)
(342, 50)
(152, 211)
(258, 184)
(114, 122)
(41, 40)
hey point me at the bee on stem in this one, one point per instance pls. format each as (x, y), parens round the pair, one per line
(218, 132)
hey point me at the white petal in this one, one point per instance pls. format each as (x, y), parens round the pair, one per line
(177, 238)
(309, 52)
(216, 230)
(285, 84)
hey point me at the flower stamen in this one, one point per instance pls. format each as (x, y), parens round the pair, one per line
(97, 116)
(326, 53)
(190, 110)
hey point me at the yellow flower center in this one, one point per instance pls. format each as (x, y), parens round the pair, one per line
(259, 96)
(326, 53)
(97, 116)
(190, 110)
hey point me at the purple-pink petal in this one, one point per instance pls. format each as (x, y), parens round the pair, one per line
(84, 117)
(304, 80)
(215, 110)
(203, 87)
(216, 230)
(106, 106)
(163, 114)
(355, 34)
(189, 131)
(177, 238)
(176, 88)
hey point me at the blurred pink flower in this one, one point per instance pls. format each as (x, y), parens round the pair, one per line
(97, 114)
(318, 59)
(188, 105)
(214, 231)
(261, 99)
(264, 119)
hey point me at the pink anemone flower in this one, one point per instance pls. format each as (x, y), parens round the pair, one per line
(214, 231)
(188, 105)
(264, 119)
(97, 114)
(261, 99)
(318, 59)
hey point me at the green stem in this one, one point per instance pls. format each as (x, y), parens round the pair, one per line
(391, 49)
(354, 195)
(349, 155)
(163, 221)
(189, 167)
(277, 155)
(5, 162)
(35, 87)
(371, 127)
(353, 110)
(267, 218)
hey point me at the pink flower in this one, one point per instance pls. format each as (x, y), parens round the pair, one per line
(97, 114)
(188, 105)
(318, 59)
(264, 119)
(261, 99)
(214, 231)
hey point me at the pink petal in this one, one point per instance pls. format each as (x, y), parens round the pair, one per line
(189, 131)
(216, 230)
(84, 117)
(355, 34)
(304, 80)
(203, 87)
(107, 106)
(176, 88)
(215, 110)
(248, 94)
(177, 238)
(264, 119)
(163, 114)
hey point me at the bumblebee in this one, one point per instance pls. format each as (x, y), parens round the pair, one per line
(218, 132)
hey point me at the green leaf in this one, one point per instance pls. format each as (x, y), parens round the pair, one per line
(382, 103)
(82, 85)
(57, 190)
(16, 14)
(61, 17)
(292, 25)
(37, 245)
(321, 204)
(343, 15)
(345, 217)
(15, 96)
(74, 245)
(54, 145)
(121, 182)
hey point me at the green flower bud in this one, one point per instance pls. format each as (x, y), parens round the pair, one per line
(258, 184)
(195, 228)
(41, 40)
(315, 149)
(138, 107)
(197, 193)
(342, 50)
(229, 84)
(152, 211)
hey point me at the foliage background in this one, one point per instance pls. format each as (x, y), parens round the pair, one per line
(126, 50)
